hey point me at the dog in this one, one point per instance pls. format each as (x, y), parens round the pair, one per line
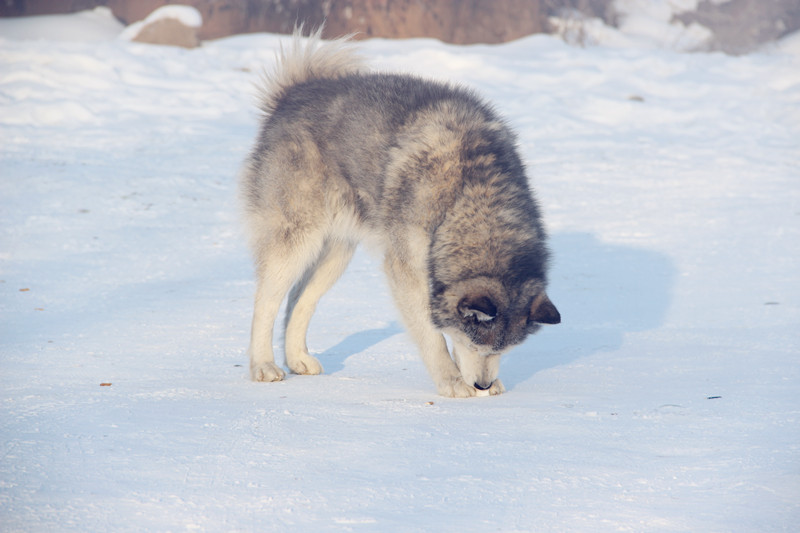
(425, 172)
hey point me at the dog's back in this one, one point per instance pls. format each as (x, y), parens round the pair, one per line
(425, 170)
(390, 146)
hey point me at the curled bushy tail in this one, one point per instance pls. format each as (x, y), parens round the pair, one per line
(315, 60)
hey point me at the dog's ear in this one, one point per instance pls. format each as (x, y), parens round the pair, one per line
(543, 311)
(481, 308)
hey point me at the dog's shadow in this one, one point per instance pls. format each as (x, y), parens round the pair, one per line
(333, 358)
(603, 291)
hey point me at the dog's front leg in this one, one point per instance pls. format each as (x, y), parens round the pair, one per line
(410, 289)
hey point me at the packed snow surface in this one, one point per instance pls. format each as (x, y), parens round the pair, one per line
(667, 400)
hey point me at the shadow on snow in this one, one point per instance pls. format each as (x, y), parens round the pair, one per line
(603, 291)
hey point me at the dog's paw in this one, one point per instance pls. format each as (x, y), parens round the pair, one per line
(304, 364)
(496, 388)
(267, 372)
(456, 388)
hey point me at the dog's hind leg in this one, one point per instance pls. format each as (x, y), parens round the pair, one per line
(303, 301)
(279, 265)
(269, 294)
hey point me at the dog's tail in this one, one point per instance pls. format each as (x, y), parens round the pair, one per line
(315, 60)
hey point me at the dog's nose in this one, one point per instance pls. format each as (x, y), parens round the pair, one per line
(481, 387)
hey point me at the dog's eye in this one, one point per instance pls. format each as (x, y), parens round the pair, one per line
(480, 309)
(481, 318)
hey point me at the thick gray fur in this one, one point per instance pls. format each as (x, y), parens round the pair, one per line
(429, 176)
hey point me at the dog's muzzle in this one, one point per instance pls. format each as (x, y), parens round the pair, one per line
(480, 387)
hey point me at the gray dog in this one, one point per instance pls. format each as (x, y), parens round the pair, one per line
(424, 172)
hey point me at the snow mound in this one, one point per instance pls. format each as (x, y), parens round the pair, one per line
(789, 45)
(186, 15)
(642, 23)
(654, 22)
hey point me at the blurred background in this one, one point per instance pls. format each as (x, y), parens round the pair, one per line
(731, 26)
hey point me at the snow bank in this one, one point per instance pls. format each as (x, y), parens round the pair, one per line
(186, 15)
(788, 45)
(641, 23)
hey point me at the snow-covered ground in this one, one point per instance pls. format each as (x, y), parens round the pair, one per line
(666, 401)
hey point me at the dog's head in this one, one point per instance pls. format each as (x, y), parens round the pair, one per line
(485, 317)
